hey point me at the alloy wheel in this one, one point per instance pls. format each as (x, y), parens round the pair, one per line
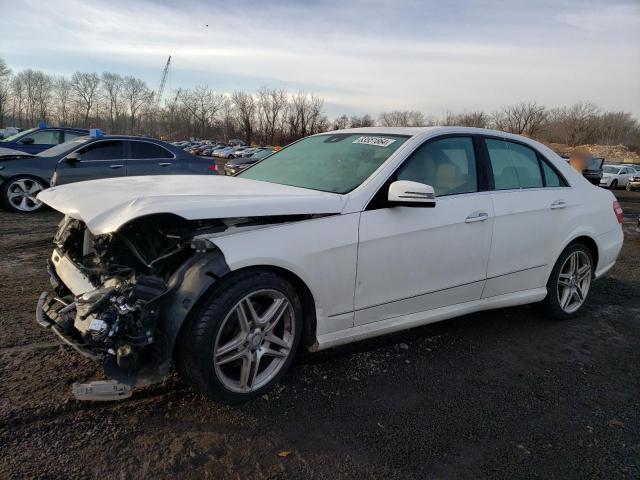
(21, 194)
(574, 281)
(254, 341)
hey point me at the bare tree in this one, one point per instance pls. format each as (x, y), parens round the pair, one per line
(341, 123)
(402, 118)
(202, 104)
(136, 94)
(272, 104)
(5, 90)
(364, 121)
(522, 118)
(245, 107)
(85, 89)
(112, 86)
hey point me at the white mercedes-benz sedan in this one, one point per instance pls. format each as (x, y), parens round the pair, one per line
(338, 237)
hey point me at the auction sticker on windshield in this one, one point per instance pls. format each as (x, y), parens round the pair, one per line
(375, 141)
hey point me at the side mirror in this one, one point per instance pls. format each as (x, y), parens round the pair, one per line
(404, 193)
(27, 141)
(72, 158)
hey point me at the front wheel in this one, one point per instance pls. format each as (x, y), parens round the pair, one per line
(239, 342)
(19, 194)
(614, 185)
(569, 283)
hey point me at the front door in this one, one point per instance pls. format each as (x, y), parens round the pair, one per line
(413, 259)
(149, 159)
(101, 159)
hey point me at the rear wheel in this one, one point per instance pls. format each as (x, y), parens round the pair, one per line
(19, 194)
(569, 283)
(239, 342)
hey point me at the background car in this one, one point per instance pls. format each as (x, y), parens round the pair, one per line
(614, 176)
(87, 158)
(634, 180)
(238, 164)
(37, 140)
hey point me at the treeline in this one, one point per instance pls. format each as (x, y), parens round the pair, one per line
(579, 124)
(125, 104)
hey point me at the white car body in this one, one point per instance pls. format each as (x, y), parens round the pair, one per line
(372, 272)
(621, 175)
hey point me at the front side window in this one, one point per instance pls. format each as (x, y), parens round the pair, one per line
(110, 150)
(17, 136)
(47, 137)
(448, 165)
(331, 162)
(142, 150)
(513, 165)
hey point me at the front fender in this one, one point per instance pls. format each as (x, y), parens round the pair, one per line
(186, 287)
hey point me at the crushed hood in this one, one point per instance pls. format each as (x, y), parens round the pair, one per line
(105, 205)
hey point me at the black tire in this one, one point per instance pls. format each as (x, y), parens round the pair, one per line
(9, 186)
(614, 185)
(196, 344)
(551, 304)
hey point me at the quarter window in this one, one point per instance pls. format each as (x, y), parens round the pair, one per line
(107, 150)
(448, 165)
(551, 178)
(513, 165)
(141, 150)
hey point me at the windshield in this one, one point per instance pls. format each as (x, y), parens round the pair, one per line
(613, 170)
(64, 147)
(18, 135)
(331, 163)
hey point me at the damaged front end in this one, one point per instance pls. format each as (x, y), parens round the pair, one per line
(120, 298)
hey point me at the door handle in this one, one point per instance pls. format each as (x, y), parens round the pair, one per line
(558, 204)
(116, 166)
(165, 164)
(476, 217)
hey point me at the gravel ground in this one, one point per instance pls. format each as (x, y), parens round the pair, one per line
(501, 394)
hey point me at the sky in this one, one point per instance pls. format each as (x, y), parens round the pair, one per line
(360, 56)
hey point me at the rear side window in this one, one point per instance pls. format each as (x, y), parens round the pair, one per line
(102, 151)
(141, 150)
(68, 136)
(513, 165)
(448, 165)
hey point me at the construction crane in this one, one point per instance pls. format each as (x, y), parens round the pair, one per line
(163, 81)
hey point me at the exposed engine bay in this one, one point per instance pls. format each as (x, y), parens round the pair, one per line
(120, 298)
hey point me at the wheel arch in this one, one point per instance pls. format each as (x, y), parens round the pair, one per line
(211, 275)
(588, 241)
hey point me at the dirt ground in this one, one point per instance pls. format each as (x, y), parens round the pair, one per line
(501, 394)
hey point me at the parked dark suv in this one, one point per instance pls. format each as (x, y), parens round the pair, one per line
(593, 172)
(38, 140)
(22, 177)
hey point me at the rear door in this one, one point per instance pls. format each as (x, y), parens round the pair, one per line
(101, 159)
(531, 204)
(147, 158)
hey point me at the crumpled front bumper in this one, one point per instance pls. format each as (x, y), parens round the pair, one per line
(45, 318)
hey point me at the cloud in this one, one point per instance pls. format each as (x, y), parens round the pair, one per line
(360, 55)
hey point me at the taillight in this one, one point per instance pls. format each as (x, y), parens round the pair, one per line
(213, 167)
(617, 209)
